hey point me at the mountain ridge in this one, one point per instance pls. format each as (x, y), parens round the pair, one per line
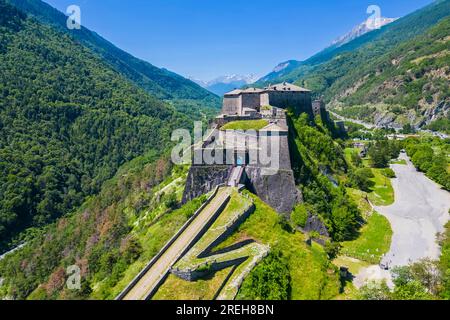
(338, 73)
(160, 82)
(65, 114)
(224, 84)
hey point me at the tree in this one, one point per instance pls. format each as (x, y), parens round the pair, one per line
(375, 291)
(332, 249)
(356, 159)
(408, 129)
(379, 154)
(171, 201)
(270, 280)
(360, 178)
(300, 215)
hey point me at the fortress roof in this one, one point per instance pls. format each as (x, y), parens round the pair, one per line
(235, 92)
(282, 87)
(274, 127)
(252, 90)
(285, 86)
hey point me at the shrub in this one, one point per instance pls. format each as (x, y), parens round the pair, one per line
(270, 280)
(389, 173)
(171, 201)
(360, 179)
(332, 249)
(300, 215)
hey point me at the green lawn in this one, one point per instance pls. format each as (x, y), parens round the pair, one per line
(350, 292)
(374, 240)
(382, 192)
(246, 125)
(348, 153)
(359, 197)
(399, 161)
(175, 288)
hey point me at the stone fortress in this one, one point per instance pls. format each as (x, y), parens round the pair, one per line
(235, 153)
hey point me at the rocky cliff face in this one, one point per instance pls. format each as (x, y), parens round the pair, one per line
(418, 119)
(278, 190)
(203, 179)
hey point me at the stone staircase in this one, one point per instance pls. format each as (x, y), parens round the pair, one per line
(235, 176)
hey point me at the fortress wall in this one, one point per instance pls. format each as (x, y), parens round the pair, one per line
(278, 190)
(193, 275)
(264, 99)
(232, 105)
(301, 101)
(227, 233)
(251, 100)
(203, 179)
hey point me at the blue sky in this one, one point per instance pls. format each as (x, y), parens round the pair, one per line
(209, 38)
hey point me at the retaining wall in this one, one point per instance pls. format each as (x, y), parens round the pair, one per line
(163, 250)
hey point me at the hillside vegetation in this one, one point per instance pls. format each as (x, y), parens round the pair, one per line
(317, 159)
(110, 237)
(185, 95)
(64, 118)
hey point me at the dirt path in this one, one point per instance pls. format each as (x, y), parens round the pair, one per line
(152, 277)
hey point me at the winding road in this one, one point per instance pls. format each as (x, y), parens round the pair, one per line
(364, 124)
(419, 212)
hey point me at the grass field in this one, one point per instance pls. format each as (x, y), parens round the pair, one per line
(382, 192)
(360, 198)
(399, 161)
(374, 240)
(246, 125)
(348, 153)
(175, 288)
(350, 292)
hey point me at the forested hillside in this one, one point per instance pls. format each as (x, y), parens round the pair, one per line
(67, 122)
(182, 93)
(400, 72)
(317, 160)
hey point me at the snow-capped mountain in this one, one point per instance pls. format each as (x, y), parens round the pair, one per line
(361, 29)
(284, 69)
(223, 84)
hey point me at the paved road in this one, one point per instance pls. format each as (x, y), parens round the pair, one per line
(364, 124)
(2, 256)
(419, 212)
(152, 277)
(369, 126)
